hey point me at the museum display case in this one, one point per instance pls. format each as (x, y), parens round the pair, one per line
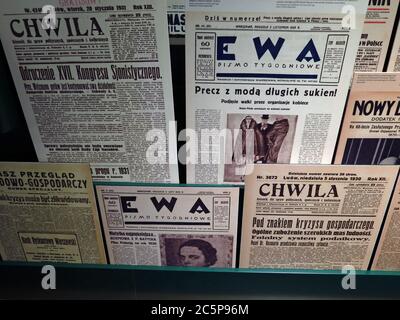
(141, 211)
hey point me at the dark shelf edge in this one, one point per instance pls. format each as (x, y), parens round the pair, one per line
(23, 281)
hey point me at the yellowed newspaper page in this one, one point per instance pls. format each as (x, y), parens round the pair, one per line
(375, 37)
(394, 61)
(370, 132)
(313, 216)
(48, 213)
(387, 256)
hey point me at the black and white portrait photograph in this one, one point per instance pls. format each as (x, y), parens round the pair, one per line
(196, 250)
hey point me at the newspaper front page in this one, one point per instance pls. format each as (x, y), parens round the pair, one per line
(94, 78)
(313, 216)
(370, 132)
(176, 18)
(48, 213)
(170, 225)
(375, 38)
(394, 61)
(387, 256)
(266, 81)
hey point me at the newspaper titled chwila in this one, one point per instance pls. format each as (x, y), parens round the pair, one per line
(94, 83)
(314, 216)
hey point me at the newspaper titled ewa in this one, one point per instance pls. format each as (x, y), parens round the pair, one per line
(266, 82)
(169, 225)
(375, 37)
(370, 131)
(94, 82)
(313, 216)
(48, 214)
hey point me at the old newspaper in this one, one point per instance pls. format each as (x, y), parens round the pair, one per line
(387, 256)
(48, 213)
(313, 216)
(370, 132)
(266, 81)
(170, 225)
(94, 81)
(394, 61)
(176, 18)
(375, 38)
